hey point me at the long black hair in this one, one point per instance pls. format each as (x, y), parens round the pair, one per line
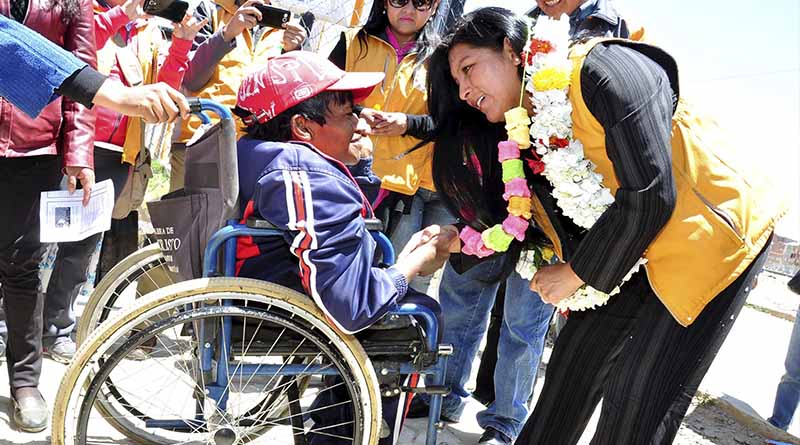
(378, 21)
(463, 135)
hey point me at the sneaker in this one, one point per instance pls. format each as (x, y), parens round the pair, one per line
(30, 410)
(63, 350)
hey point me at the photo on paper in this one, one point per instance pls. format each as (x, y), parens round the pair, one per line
(63, 217)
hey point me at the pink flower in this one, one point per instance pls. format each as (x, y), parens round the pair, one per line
(516, 226)
(473, 243)
(507, 150)
(517, 187)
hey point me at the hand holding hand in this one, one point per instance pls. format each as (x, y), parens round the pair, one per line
(188, 28)
(555, 283)
(83, 174)
(428, 249)
(293, 36)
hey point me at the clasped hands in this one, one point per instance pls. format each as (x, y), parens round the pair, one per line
(427, 250)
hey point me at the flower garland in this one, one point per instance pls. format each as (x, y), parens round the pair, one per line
(578, 189)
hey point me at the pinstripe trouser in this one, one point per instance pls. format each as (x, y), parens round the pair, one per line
(638, 359)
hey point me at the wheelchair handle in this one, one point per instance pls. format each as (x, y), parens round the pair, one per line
(198, 106)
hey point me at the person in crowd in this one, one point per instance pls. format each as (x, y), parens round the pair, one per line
(787, 395)
(649, 158)
(325, 206)
(33, 154)
(118, 142)
(588, 18)
(397, 39)
(36, 72)
(229, 46)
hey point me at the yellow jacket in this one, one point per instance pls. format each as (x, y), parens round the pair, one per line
(724, 212)
(404, 91)
(241, 60)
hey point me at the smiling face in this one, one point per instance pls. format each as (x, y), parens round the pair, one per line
(407, 21)
(337, 138)
(555, 8)
(487, 79)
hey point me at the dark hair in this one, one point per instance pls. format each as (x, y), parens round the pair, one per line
(463, 134)
(279, 128)
(378, 21)
(70, 9)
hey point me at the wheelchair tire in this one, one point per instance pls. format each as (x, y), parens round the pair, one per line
(102, 349)
(146, 264)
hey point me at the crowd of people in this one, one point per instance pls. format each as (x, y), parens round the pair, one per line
(422, 120)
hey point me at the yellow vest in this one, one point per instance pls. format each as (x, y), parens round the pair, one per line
(724, 213)
(243, 59)
(404, 91)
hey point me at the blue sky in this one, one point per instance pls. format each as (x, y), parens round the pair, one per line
(739, 61)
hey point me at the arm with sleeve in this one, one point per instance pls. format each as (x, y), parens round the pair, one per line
(77, 134)
(325, 231)
(108, 23)
(35, 70)
(208, 49)
(630, 95)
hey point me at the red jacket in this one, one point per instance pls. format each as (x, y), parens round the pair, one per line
(63, 127)
(111, 125)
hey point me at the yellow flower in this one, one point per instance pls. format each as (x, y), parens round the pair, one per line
(551, 78)
(520, 135)
(519, 206)
(547, 254)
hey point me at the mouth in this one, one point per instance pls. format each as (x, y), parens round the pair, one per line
(551, 3)
(479, 102)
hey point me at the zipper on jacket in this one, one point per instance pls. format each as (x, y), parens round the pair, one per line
(721, 213)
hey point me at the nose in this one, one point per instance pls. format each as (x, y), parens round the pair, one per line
(464, 91)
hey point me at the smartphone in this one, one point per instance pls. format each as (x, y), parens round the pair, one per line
(172, 10)
(272, 16)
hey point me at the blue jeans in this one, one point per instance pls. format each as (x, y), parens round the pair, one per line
(788, 394)
(467, 302)
(426, 209)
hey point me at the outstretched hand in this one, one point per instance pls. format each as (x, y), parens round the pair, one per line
(153, 103)
(188, 28)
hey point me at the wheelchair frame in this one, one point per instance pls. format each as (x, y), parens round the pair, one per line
(224, 241)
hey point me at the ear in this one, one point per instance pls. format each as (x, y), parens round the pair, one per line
(300, 130)
(508, 51)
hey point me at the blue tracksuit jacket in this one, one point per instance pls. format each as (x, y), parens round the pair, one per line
(326, 250)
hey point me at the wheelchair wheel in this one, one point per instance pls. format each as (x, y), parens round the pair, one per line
(139, 273)
(276, 338)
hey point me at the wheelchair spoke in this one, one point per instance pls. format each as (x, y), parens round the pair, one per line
(168, 398)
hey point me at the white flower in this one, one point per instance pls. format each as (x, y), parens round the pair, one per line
(577, 188)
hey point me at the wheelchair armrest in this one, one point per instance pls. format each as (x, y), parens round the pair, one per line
(258, 223)
(373, 224)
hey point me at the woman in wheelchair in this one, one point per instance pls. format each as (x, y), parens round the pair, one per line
(293, 173)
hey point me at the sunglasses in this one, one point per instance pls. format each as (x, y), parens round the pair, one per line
(419, 5)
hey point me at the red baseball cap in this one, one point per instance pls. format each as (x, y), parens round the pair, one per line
(291, 78)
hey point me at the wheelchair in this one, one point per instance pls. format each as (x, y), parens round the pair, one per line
(228, 360)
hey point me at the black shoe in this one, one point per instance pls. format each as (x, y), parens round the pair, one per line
(420, 410)
(30, 410)
(493, 437)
